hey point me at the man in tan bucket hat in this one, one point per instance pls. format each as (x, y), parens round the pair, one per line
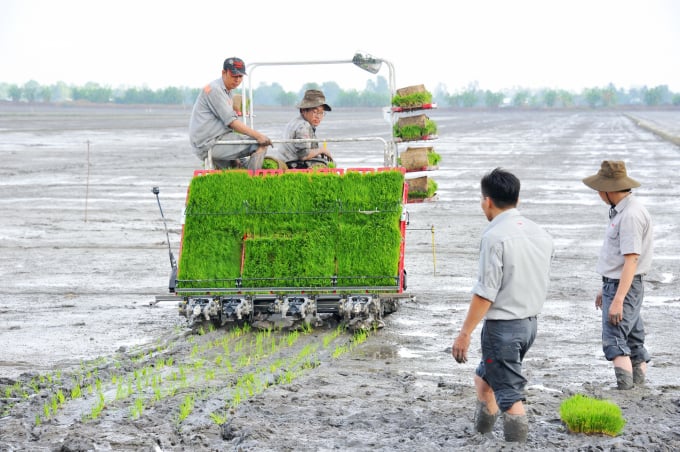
(626, 255)
(313, 108)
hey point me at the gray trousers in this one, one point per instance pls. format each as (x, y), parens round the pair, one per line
(504, 344)
(233, 155)
(628, 337)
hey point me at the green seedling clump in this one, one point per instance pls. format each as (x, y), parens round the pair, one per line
(412, 100)
(296, 229)
(269, 164)
(414, 131)
(588, 415)
(433, 158)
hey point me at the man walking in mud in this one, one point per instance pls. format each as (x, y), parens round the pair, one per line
(512, 284)
(214, 119)
(625, 256)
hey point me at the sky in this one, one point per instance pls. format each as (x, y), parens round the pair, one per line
(495, 44)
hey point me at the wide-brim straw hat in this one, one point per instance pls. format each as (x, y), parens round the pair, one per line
(611, 177)
(314, 98)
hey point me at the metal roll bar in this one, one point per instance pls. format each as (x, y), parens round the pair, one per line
(388, 149)
(364, 61)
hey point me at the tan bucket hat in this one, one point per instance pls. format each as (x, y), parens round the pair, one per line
(611, 177)
(314, 98)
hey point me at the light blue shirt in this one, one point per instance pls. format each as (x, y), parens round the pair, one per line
(514, 266)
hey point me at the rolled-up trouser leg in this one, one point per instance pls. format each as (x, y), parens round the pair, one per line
(256, 160)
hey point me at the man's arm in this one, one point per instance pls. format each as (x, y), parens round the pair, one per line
(478, 308)
(240, 127)
(630, 262)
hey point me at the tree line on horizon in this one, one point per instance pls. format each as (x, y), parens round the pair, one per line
(375, 94)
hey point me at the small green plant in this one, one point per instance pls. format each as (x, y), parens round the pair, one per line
(186, 407)
(339, 351)
(120, 391)
(137, 409)
(359, 337)
(218, 419)
(584, 414)
(34, 386)
(61, 397)
(76, 392)
(98, 408)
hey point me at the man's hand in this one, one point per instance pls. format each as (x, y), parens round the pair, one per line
(460, 348)
(598, 300)
(263, 140)
(478, 309)
(615, 312)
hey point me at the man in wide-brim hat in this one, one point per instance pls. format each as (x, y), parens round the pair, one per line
(625, 257)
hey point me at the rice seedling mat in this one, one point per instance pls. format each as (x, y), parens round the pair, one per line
(306, 229)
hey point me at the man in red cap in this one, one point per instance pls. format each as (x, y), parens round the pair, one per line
(625, 257)
(214, 119)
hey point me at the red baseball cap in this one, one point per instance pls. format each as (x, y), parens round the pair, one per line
(235, 65)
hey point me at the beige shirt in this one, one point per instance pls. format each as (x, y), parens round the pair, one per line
(628, 232)
(514, 267)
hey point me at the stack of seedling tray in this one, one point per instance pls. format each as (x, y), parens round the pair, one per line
(420, 158)
(421, 189)
(415, 128)
(292, 229)
(411, 127)
(414, 97)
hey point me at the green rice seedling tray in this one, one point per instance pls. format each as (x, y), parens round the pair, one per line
(281, 230)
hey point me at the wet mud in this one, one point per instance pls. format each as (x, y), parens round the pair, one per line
(89, 361)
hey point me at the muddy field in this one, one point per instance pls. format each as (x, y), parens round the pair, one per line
(88, 362)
